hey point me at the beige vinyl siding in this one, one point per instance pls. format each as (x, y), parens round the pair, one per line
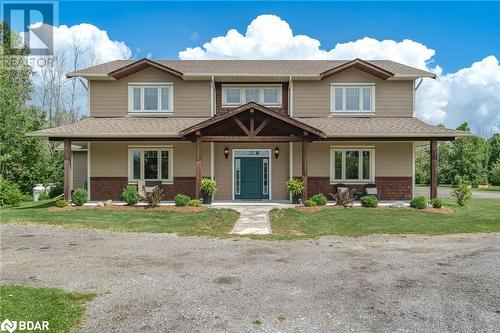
(224, 169)
(392, 98)
(111, 159)
(79, 168)
(110, 98)
(392, 159)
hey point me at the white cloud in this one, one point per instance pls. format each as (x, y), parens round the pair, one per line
(92, 46)
(96, 43)
(471, 94)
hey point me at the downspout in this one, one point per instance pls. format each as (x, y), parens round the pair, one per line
(212, 102)
(290, 96)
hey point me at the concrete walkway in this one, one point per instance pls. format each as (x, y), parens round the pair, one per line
(254, 218)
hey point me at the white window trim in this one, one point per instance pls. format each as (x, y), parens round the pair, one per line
(343, 149)
(352, 85)
(159, 149)
(157, 85)
(261, 88)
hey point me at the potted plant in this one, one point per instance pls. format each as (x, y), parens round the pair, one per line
(295, 186)
(208, 188)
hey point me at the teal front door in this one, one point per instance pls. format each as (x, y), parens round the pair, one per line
(251, 178)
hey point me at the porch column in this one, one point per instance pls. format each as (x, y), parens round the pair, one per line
(67, 169)
(198, 166)
(304, 168)
(433, 173)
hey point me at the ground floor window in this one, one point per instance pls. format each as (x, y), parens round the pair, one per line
(150, 164)
(352, 164)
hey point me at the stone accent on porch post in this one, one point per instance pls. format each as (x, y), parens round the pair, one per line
(433, 171)
(67, 169)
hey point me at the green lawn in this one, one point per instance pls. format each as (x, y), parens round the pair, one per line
(210, 222)
(480, 215)
(63, 310)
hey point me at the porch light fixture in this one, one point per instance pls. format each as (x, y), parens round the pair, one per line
(226, 152)
(276, 152)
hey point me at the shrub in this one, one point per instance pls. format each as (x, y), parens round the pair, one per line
(309, 203)
(194, 203)
(208, 186)
(61, 203)
(79, 196)
(463, 194)
(495, 173)
(43, 196)
(369, 201)
(295, 186)
(130, 195)
(182, 200)
(56, 190)
(154, 197)
(319, 199)
(419, 202)
(437, 203)
(457, 180)
(344, 199)
(10, 193)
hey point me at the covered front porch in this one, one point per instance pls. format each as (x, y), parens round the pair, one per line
(251, 151)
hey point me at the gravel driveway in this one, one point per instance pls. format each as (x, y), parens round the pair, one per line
(165, 283)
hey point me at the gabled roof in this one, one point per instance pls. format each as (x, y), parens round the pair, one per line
(139, 65)
(255, 107)
(362, 65)
(313, 69)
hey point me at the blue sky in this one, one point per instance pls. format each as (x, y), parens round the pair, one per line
(460, 32)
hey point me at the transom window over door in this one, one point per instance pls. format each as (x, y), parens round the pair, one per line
(151, 97)
(352, 98)
(352, 164)
(234, 95)
(150, 164)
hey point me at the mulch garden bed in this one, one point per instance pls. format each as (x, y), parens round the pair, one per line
(305, 209)
(185, 209)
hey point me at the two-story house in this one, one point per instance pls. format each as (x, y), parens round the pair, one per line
(251, 125)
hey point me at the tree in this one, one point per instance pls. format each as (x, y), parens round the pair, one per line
(469, 159)
(23, 160)
(422, 162)
(494, 143)
(464, 127)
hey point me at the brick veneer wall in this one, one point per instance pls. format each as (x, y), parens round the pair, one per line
(105, 188)
(284, 97)
(391, 188)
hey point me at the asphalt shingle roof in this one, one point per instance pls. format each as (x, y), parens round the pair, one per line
(338, 127)
(254, 67)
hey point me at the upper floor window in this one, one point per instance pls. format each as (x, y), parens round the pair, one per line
(234, 95)
(352, 97)
(151, 97)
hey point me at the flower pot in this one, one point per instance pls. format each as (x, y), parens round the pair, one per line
(207, 199)
(296, 198)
